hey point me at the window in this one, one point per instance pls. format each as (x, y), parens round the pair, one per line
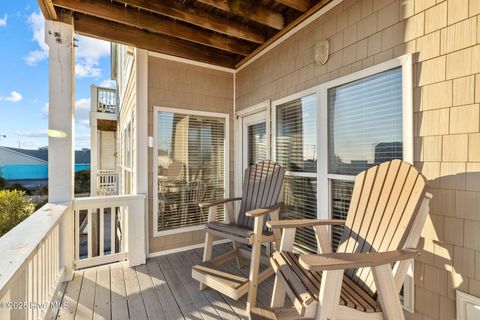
(350, 123)
(296, 151)
(127, 151)
(190, 166)
(365, 128)
(257, 143)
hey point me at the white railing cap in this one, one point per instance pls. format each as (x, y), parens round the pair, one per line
(105, 201)
(20, 243)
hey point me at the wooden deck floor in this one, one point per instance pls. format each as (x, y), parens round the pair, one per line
(161, 289)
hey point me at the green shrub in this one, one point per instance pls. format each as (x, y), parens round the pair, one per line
(19, 187)
(82, 181)
(14, 208)
(3, 183)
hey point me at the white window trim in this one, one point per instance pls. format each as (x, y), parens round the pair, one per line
(156, 110)
(323, 178)
(260, 107)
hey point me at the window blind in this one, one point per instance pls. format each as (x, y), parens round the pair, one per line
(296, 145)
(365, 123)
(257, 143)
(365, 128)
(191, 167)
(296, 151)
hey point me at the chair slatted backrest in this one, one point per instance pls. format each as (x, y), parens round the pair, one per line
(262, 184)
(385, 201)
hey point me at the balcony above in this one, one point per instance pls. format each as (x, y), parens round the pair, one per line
(104, 108)
(106, 100)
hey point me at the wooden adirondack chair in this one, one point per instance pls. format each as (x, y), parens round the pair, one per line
(261, 190)
(387, 212)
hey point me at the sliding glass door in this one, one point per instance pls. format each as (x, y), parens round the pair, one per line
(190, 163)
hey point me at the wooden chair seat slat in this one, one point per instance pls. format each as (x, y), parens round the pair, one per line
(237, 230)
(306, 285)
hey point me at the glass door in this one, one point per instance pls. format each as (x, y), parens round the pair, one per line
(255, 139)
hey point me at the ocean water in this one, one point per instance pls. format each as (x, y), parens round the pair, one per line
(31, 171)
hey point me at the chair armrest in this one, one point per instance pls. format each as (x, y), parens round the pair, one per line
(217, 202)
(262, 211)
(300, 223)
(342, 261)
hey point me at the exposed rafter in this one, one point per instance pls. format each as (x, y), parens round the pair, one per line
(205, 20)
(300, 5)
(258, 14)
(48, 9)
(284, 31)
(121, 33)
(152, 23)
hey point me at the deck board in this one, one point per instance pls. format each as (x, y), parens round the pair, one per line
(161, 289)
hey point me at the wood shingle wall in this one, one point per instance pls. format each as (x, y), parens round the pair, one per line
(444, 37)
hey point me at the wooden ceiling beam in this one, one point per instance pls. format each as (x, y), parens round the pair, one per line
(284, 31)
(48, 10)
(121, 33)
(146, 20)
(299, 5)
(258, 13)
(199, 18)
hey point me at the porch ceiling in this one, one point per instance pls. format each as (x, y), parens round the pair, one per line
(221, 32)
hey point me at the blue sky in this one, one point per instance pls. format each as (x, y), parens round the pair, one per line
(24, 77)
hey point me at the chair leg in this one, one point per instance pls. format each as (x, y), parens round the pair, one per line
(278, 295)
(207, 252)
(388, 295)
(286, 244)
(254, 264)
(239, 260)
(329, 296)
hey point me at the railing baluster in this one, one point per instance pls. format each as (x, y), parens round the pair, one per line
(30, 288)
(44, 272)
(113, 229)
(48, 251)
(123, 211)
(102, 232)
(77, 234)
(90, 233)
(35, 284)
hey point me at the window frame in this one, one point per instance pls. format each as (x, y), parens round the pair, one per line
(226, 159)
(273, 144)
(323, 177)
(127, 141)
(403, 62)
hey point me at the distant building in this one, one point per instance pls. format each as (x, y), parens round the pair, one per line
(30, 167)
(386, 151)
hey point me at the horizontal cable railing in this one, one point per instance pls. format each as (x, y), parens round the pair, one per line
(33, 263)
(102, 230)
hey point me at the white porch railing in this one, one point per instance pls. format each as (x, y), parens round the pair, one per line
(106, 100)
(38, 254)
(33, 263)
(107, 182)
(106, 226)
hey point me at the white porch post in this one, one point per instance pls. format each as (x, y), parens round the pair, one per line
(93, 141)
(59, 38)
(138, 221)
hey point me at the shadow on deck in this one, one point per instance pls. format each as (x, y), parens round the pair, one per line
(161, 289)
